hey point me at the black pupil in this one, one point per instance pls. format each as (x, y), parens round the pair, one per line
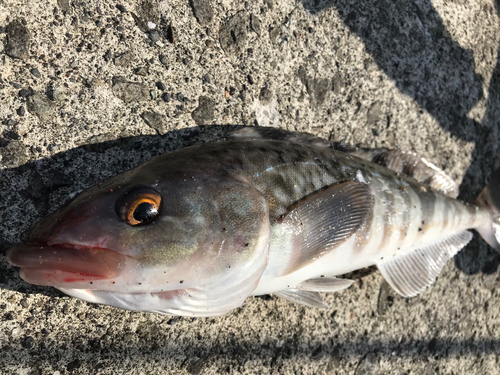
(145, 212)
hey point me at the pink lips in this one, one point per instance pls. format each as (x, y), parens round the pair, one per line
(60, 264)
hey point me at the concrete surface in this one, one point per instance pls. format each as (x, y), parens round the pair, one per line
(80, 100)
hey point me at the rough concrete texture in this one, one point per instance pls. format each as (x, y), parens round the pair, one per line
(91, 88)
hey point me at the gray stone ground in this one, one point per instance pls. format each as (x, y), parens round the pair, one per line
(79, 102)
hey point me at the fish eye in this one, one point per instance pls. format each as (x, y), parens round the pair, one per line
(139, 206)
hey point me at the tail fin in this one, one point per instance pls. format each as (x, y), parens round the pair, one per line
(490, 198)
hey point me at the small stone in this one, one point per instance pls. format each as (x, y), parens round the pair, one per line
(368, 365)
(121, 8)
(28, 342)
(73, 365)
(129, 91)
(16, 333)
(203, 11)
(21, 111)
(13, 154)
(374, 114)
(154, 35)
(206, 78)
(59, 94)
(141, 71)
(170, 34)
(265, 95)
(385, 298)
(152, 93)
(205, 112)
(154, 120)
(65, 6)
(317, 88)
(250, 79)
(18, 40)
(186, 61)
(36, 73)
(124, 59)
(233, 34)
(24, 93)
(161, 86)
(41, 106)
(166, 97)
(163, 59)
(255, 24)
(107, 55)
(210, 43)
(11, 135)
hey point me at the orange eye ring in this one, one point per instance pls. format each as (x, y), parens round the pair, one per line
(140, 206)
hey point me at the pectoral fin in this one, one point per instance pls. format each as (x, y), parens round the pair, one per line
(411, 273)
(325, 219)
(311, 299)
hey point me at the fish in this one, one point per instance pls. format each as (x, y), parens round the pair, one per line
(197, 231)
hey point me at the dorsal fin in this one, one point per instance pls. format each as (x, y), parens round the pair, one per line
(412, 166)
(325, 219)
(411, 273)
(267, 132)
(396, 160)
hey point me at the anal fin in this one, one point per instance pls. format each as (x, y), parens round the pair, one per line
(411, 273)
(303, 297)
(325, 284)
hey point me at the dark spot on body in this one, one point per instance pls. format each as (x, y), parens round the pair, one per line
(419, 229)
(182, 281)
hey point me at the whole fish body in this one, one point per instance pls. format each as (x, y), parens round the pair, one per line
(196, 231)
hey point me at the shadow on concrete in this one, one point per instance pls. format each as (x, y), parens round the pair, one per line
(410, 44)
(235, 351)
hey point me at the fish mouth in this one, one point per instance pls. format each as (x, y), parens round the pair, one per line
(63, 264)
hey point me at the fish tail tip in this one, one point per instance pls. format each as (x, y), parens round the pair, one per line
(490, 198)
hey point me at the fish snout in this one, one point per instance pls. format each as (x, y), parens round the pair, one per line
(65, 264)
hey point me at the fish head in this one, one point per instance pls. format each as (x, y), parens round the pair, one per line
(156, 228)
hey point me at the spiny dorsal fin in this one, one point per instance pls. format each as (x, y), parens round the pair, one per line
(397, 160)
(325, 284)
(412, 166)
(311, 299)
(267, 132)
(325, 219)
(411, 273)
